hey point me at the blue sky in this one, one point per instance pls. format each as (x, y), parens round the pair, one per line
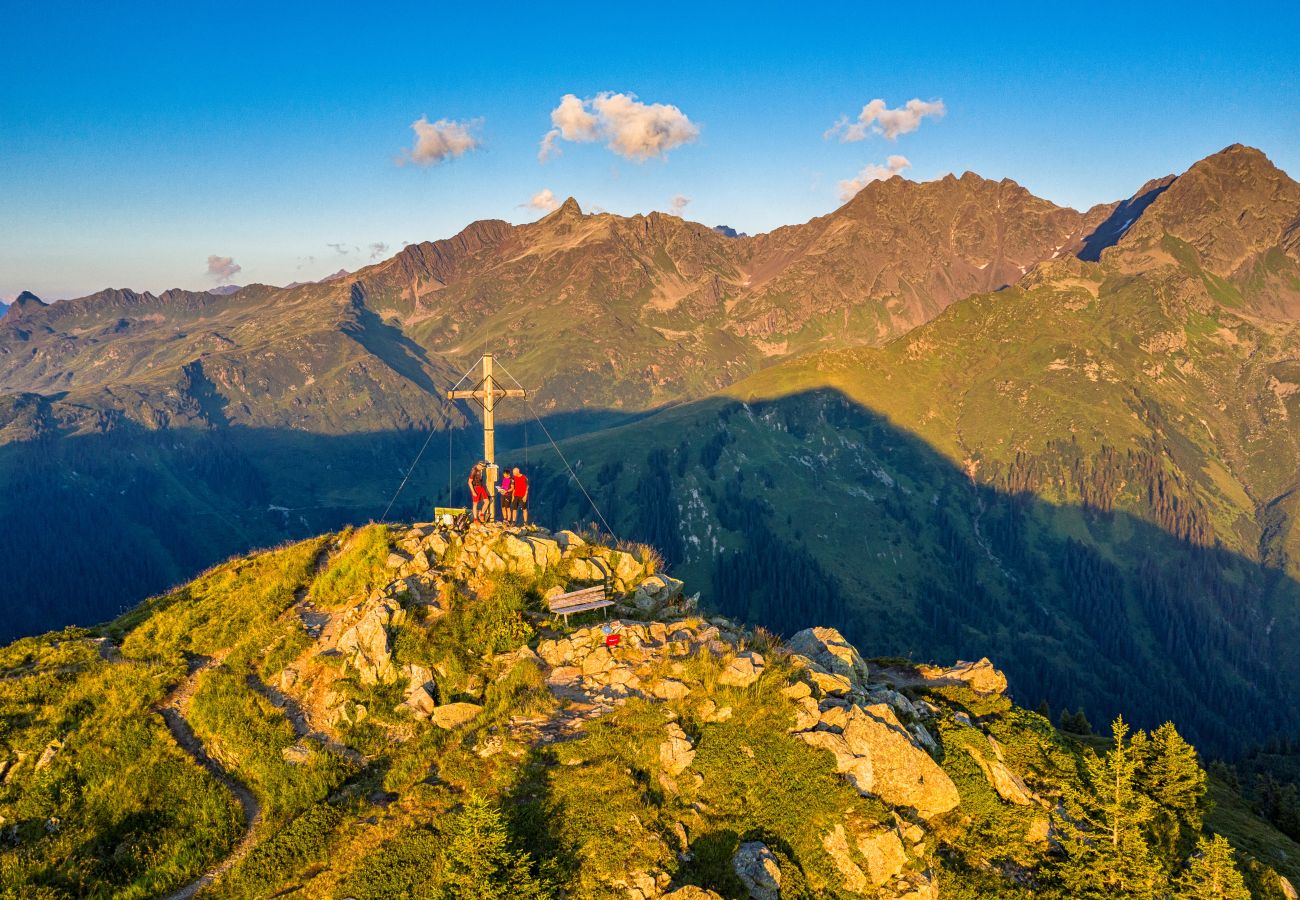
(138, 140)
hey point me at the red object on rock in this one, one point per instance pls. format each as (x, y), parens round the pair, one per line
(611, 640)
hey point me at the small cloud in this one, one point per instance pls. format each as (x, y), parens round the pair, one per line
(441, 140)
(543, 200)
(680, 202)
(223, 268)
(630, 128)
(342, 249)
(874, 172)
(877, 118)
(378, 249)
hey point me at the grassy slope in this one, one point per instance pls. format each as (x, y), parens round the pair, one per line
(138, 817)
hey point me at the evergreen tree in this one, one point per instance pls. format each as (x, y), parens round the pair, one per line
(480, 863)
(1103, 829)
(1211, 874)
(1171, 775)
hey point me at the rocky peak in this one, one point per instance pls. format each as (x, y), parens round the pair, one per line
(1230, 207)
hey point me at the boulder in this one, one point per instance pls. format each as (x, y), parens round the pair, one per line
(1288, 891)
(655, 593)
(884, 854)
(436, 546)
(756, 867)
(453, 715)
(832, 685)
(669, 689)
(591, 569)
(518, 555)
(828, 651)
(742, 671)
(979, 676)
(365, 642)
(546, 552)
(677, 752)
(396, 560)
(903, 775)
(797, 691)
(567, 541)
(625, 568)
(836, 845)
(420, 701)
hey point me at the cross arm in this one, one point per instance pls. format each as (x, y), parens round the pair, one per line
(479, 394)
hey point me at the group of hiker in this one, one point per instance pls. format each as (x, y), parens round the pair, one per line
(512, 489)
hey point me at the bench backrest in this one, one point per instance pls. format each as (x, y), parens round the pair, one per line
(560, 602)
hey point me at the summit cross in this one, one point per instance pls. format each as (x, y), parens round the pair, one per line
(487, 393)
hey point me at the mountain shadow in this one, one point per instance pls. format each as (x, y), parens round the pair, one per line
(805, 510)
(1116, 225)
(812, 509)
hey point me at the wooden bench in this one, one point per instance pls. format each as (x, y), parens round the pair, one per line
(583, 600)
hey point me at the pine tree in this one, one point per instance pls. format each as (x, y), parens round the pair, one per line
(1171, 775)
(480, 864)
(1103, 829)
(1211, 874)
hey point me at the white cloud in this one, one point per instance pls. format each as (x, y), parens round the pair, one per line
(543, 200)
(877, 118)
(874, 172)
(632, 129)
(440, 140)
(680, 202)
(378, 249)
(223, 268)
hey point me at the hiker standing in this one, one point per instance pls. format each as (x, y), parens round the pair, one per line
(479, 497)
(519, 492)
(507, 496)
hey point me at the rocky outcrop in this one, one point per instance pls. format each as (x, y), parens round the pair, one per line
(757, 868)
(978, 676)
(365, 641)
(826, 652)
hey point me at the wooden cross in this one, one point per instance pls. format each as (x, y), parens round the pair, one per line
(487, 393)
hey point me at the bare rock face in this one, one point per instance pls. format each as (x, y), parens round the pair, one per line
(883, 851)
(836, 845)
(756, 867)
(979, 676)
(904, 775)
(365, 642)
(827, 651)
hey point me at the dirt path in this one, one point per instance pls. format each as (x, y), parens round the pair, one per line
(173, 709)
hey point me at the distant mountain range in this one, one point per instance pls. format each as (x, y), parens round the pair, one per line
(1066, 439)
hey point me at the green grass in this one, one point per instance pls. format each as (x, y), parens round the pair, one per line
(357, 566)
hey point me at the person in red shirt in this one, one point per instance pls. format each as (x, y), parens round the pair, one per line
(478, 492)
(519, 493)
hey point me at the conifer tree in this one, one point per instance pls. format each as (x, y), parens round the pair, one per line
(480, 863)
(1103, 829)
(1211, 874)
(1171, 775)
